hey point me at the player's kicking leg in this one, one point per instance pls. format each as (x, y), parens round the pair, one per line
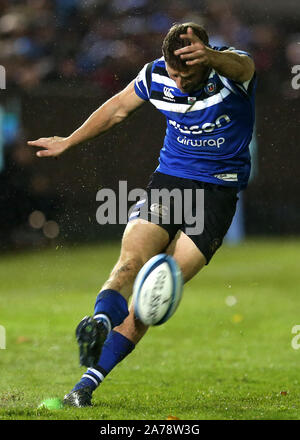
(190, 260)
(122, 340)
(141, 241)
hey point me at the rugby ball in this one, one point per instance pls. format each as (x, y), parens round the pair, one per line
(157, 290)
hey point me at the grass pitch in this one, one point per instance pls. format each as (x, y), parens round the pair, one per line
(210, 361)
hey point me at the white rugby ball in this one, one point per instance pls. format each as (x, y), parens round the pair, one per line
(157, 290)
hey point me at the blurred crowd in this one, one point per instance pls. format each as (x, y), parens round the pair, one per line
(107, 41)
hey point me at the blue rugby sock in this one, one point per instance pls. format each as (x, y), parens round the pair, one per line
(92, 378)
(110, 308)
(115, 349)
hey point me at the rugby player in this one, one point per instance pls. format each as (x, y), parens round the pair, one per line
(207, 96)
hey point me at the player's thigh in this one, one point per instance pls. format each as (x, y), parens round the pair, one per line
(143, 239)
(189, 258)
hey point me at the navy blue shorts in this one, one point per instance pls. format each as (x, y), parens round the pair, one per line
(211, 209)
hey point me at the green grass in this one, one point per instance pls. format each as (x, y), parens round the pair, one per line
(210, 361)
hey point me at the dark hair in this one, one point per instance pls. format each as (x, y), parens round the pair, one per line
(173, 42)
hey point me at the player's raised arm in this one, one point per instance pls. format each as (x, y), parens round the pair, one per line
(109, 114)
(227, 63)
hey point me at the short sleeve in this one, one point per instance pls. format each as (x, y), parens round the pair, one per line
(140, 84)
(245, 88)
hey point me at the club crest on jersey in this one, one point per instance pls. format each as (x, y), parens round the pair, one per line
(210, 88)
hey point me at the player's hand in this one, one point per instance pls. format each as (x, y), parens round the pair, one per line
(196, 52)
(53, 146)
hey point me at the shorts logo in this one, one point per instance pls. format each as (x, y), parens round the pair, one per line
(210, 88)
(228, 177)
(168, 94)
(159, 210)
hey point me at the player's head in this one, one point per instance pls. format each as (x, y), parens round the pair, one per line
(186, 77)
(172, 42)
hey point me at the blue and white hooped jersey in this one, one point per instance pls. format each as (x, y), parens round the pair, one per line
(208, 130)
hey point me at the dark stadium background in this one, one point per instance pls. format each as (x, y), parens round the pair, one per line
(64, 58)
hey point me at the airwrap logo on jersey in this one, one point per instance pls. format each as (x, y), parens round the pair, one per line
(168, 94)
(2, 338)
(2, 78)
(206, 128)
(159, 206)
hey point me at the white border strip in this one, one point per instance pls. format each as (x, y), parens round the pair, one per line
(97, 373)
(199, 105)
(92, 378)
